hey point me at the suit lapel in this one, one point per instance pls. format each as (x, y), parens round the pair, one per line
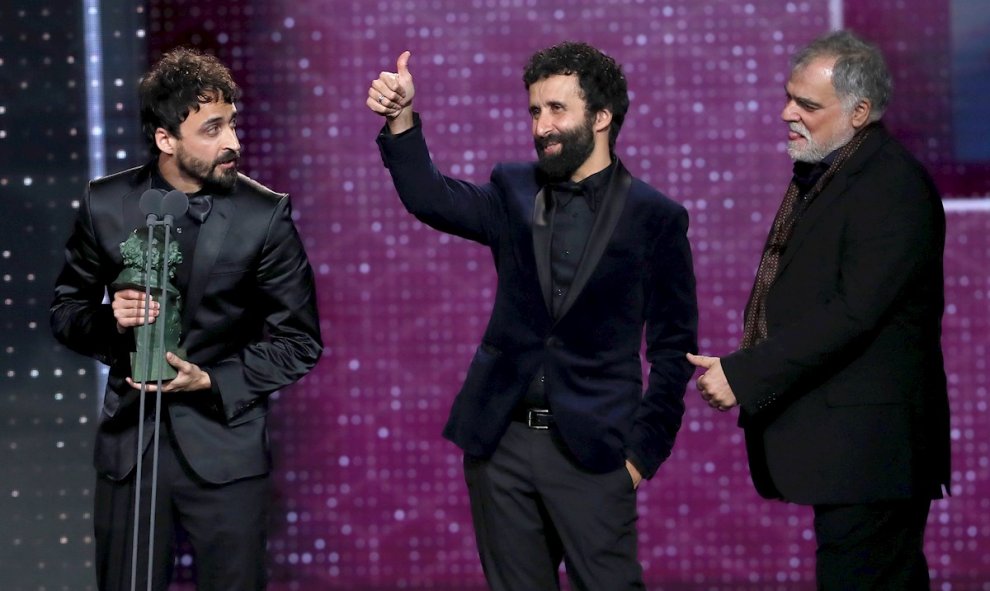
(818, 206)
(130, 206)
(541, 247)
(211, 237)
(830, 193)
(612, 204)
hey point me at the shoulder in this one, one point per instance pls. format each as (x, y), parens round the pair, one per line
(523, 172)
(891, 163)
(253, 196)
(251, 188)
(650, 199)
(123, 180)
(517, 177)
(892, 186)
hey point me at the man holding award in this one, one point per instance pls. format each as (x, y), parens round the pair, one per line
(247, 324)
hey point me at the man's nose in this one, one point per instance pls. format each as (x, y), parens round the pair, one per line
(542, 125)
(231, 142)
(789, 112)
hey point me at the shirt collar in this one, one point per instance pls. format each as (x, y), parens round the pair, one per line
(593, 187)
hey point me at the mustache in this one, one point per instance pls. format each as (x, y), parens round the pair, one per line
(544, 141)
(800, 129)
(228, 156)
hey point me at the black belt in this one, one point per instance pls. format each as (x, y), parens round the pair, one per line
(534, 418)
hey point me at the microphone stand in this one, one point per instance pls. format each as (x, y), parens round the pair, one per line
(153, 204)
(150, 204)
(175, 203)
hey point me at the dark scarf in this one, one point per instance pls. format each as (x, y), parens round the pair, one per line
(755, 324)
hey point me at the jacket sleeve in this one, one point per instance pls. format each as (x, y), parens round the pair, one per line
(443, 203)
(79, 318)
(891, 235)
(292, 343)
(671, 333)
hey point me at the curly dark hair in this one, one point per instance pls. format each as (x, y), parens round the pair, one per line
(181, 81)
(600, 77)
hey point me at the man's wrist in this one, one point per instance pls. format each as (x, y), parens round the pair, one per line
(402, 122)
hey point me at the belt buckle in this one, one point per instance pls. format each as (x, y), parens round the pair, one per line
(535, 412)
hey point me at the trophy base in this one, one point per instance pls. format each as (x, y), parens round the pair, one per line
(145, 370)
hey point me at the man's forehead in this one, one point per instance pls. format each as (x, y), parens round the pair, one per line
(205, 110)
(556, 87)
(820, 68)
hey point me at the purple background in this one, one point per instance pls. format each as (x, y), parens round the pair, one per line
(369, 495)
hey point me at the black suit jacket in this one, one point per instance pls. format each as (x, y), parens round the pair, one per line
(636, 272)
(845, 402)
(249, 319)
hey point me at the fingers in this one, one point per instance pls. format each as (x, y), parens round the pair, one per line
(383, 99)
(402, 64)
(392, 92)
(129, 308)
(634, 474)
(701, 360)
(150, 386)
(188, 373)
(181, 365)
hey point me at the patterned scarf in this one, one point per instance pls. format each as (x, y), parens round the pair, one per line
(755, 324)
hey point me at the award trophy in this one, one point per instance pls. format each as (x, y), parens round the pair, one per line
(140, 254)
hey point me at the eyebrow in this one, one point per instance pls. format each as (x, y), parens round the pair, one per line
(216, 119)
(803, 101)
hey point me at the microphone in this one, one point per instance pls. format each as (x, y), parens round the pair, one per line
(151, 205)
(174, 204)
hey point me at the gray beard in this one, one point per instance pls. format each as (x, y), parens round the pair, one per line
(814, 152)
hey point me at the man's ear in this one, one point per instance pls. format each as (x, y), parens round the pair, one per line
(603, 119)
(165, 141)
(861, 113)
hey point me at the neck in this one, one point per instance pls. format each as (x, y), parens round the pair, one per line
(599, 160)
(169, 169)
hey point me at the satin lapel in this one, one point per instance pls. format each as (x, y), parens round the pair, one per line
(130, 205)
(611, 208)
(541, 246)
(211, 237)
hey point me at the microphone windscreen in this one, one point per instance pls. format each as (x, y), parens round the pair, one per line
(151, 202)
(175, 203)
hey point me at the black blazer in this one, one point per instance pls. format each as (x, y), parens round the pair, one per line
(249, 320)
(636, 271)
(845, 402)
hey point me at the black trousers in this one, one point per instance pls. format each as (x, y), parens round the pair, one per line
(533, 506)
(876, 547)
(226, 525)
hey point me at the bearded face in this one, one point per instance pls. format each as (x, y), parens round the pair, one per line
(561, 153)
(220, 173)
(809, 148)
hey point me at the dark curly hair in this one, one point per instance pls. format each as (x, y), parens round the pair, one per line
(601, 79)
(176, 85)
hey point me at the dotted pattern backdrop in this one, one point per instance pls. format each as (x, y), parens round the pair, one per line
(369, 496)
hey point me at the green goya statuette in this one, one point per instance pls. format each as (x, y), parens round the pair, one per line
(136, 251)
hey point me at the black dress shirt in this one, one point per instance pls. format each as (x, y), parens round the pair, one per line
(572, 208)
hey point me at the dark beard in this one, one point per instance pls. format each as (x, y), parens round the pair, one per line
(576, 146)
(212, 179)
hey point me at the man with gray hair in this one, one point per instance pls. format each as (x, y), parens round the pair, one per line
(839, 377)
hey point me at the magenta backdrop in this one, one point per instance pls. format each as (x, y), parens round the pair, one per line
(369, 495)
